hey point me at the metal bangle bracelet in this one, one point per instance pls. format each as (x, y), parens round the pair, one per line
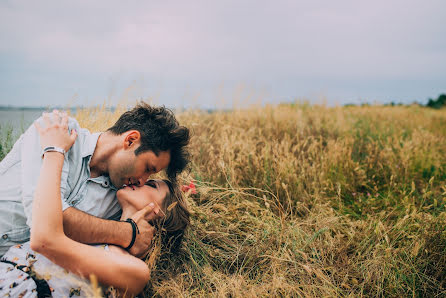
(53, 149)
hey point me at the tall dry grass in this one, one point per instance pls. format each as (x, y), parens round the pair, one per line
(300, 200)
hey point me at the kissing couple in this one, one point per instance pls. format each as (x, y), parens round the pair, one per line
(80, 203)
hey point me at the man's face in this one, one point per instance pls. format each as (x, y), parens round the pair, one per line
(127, 168)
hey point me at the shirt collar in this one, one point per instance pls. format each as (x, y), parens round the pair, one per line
(90, 142)
(87, 151)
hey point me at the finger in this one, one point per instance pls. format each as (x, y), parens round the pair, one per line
(64, 122)
(147, 210)
(73, 135)
(143, 212)
(57, 117)
(46, 119)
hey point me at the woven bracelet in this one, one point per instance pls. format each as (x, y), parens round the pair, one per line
(134, 231)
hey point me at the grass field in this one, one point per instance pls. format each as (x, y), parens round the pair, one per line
(300, 200)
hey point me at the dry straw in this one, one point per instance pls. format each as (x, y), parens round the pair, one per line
(311, 201)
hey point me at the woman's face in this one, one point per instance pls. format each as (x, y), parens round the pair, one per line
(140, 196)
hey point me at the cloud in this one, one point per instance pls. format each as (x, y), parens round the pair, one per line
(210, 41)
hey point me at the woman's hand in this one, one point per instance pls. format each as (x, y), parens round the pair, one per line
(55, 133)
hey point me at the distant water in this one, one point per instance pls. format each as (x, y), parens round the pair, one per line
(18, 120)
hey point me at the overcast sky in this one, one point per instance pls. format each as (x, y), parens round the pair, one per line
(214, 53)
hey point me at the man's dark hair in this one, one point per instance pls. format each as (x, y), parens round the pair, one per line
(160, 131)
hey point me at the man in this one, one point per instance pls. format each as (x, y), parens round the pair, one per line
(144, 141)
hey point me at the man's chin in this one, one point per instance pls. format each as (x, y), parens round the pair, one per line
(118, 185)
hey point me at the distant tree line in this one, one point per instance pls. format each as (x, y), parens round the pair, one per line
(438, 103)
(432, 103)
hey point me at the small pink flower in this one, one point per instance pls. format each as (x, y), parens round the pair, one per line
(189, 188)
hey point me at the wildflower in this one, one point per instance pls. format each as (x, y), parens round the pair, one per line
(189, 188)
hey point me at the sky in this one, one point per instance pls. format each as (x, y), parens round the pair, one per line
(217, 54)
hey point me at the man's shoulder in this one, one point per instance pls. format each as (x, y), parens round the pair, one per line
(72, 123)
(81, 132)
(83, 140)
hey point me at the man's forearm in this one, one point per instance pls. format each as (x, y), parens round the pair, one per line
(85, 228)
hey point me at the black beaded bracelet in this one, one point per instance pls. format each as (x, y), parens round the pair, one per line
(134, 230)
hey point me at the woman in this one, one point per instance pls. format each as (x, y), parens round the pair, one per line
(157, 201)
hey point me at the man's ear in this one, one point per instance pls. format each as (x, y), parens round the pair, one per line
(132, 138)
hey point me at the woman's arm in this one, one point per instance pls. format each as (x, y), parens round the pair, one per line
(124, 272)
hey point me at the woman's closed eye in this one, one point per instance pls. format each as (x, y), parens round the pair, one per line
(151, 183)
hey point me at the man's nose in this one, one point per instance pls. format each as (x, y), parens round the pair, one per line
(143, 180)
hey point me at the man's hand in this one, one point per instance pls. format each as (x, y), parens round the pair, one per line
(85, 228)
(146, 231)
